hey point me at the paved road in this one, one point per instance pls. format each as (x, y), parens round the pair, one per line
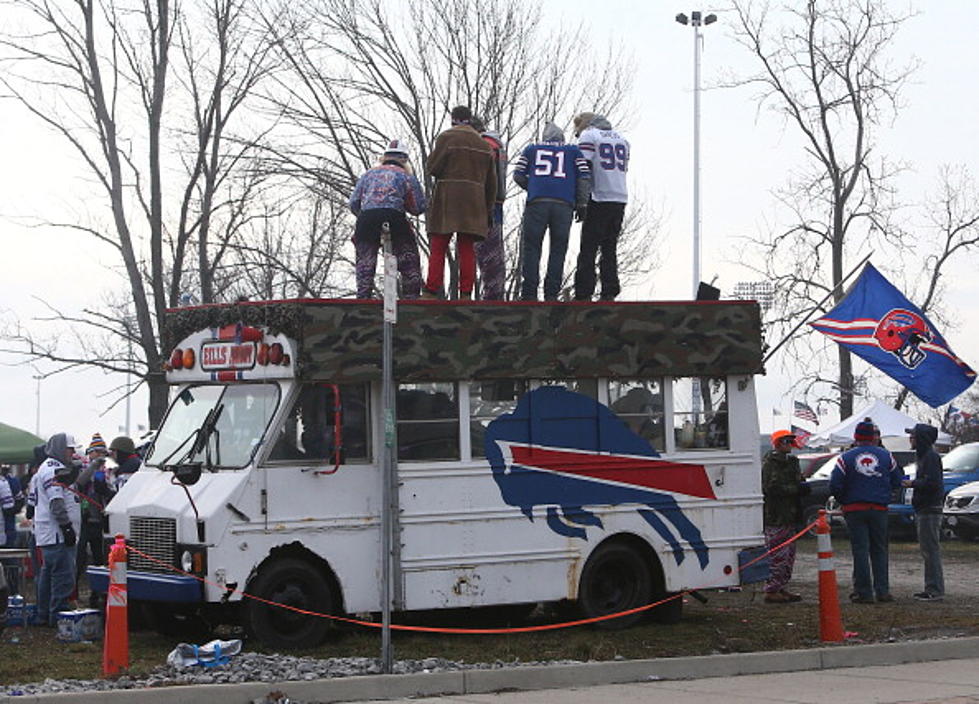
(939, 682)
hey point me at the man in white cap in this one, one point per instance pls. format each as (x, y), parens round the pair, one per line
(384, 194)
(57, 520)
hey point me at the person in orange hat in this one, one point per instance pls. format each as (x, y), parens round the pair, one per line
(782, 486)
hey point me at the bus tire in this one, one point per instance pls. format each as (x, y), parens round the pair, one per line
(294, 582)
(616, 578)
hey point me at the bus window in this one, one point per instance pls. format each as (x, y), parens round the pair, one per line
(640, 405)
(487, 401)
(585, 387)
(308, 432)
(706, 428)
(428, 421)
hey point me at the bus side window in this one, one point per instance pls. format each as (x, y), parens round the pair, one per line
(708, 427)
(428, 421)
(488, 400)
(308, 434)
(639, 403)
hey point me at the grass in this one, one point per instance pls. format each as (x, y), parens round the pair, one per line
(730, 622)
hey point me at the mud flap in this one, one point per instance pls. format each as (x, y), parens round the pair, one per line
(751, 570)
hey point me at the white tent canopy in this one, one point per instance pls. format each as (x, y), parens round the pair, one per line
(891, 422)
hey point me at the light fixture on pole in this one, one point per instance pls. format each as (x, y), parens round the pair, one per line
(696, 20)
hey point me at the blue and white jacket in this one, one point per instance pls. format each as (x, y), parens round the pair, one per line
(388, 186)
(553, 170)
(865, 474)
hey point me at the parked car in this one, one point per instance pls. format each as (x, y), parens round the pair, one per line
(962, 511)
(961, 467)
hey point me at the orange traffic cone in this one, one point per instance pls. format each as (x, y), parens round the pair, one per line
(115, 653)
(830, 619)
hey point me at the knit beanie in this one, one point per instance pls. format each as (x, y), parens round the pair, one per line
(865, 431)
(581, 122)
(97, 444)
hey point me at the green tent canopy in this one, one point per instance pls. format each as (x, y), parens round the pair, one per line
(16, 445)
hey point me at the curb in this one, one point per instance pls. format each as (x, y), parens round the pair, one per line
(587, 674)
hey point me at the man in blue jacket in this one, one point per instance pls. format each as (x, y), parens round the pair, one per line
(929, 494)
(862, 482)
(557, 179)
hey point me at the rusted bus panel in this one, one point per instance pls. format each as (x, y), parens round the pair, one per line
(341, 340)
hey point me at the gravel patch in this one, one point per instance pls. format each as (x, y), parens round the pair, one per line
(256, 667)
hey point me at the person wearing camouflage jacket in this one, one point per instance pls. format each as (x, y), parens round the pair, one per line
(782, 486)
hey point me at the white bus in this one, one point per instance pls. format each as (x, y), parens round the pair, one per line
(604, 454)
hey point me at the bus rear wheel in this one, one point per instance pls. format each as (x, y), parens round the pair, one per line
(295, 583)
(615, 578)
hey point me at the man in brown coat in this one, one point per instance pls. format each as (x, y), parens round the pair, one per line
(465, 189)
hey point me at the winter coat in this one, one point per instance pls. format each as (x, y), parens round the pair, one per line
(781, 483)
(465, 177)
(863, 475)
(929, 482)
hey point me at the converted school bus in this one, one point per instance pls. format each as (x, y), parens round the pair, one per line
(544, 452)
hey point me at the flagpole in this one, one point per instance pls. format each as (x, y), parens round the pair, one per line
(819, 305)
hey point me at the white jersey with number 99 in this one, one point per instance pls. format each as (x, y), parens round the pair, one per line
(608, 153)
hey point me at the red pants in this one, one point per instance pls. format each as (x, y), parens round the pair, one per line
(439, 245)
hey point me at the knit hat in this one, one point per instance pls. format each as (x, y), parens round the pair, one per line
(581, 122)
(865, 431)
(97, 444)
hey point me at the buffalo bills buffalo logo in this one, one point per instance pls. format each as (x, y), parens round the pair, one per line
(565, 451)
(902, 332)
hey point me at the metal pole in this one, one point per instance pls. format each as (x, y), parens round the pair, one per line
(695, 402)
(129, 385)
(696, 157)
(389, 496)
(37, 404)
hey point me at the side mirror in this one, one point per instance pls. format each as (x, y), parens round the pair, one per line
(186, 474)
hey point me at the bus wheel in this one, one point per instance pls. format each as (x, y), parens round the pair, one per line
(294, 583)
(616, 578)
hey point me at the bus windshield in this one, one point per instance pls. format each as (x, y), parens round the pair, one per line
(220, 426)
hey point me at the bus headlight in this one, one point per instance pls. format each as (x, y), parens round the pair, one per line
(193, 559)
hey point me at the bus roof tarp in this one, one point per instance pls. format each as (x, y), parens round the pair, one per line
(16, 445)
(341, 341)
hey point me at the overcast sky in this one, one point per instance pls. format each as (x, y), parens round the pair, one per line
(744, 155)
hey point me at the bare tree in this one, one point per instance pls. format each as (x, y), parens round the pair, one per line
(824, 68)
(102, 76)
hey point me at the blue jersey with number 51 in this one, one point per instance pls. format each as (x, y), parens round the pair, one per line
(552, 170)
(608, 153)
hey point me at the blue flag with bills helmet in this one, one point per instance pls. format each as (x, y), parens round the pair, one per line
(878, 324)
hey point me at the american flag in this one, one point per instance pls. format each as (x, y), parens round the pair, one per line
(801, 436)
(804, 412)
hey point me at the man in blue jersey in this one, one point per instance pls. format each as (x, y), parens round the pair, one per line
(607, 152)
(862, 481)
(556, 178)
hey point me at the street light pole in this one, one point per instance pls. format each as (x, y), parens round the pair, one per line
(37, 403)
(696, 20)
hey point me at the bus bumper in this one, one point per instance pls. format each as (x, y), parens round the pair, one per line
(147, 586)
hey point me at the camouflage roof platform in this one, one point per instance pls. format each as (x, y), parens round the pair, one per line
(437, 340)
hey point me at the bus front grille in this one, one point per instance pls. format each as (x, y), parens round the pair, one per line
(157, 537)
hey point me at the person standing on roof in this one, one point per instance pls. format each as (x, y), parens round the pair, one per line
(927, 500)
(465, 175)
(384, 194)
(556, 178)
(608, 154)
(862, 481)
(490, 254)
(57, 521)
(782, 486)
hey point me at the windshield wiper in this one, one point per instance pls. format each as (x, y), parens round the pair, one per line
(209, 427)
